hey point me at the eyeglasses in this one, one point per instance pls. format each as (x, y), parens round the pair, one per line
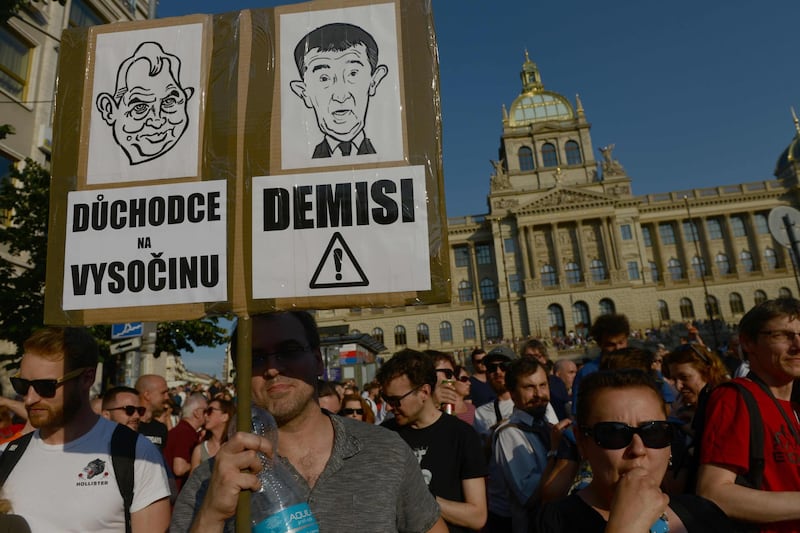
(46, 388)
(287, 356)
(129, 409)
(394, 401)
(693, 347)
(350, 411)
(494, 367)
(656, 434)
(780, 335)
(210, 410)
(448, 374)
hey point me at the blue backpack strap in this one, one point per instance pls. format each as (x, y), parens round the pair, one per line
(12, 454)
(123, 453)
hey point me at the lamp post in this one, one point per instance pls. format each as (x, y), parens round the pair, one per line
(696, 239)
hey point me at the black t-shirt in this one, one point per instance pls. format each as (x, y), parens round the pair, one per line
(480, 392)
(448, 451)
(573, 515)
(155, 431)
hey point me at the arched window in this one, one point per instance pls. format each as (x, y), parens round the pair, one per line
(770, 259)
(445, 332)
(699, 266)
(759, 297)
(739, 227)
(598, 270)
(464, 291)
(423, 334)
(525, 155)
(712, 306)
(549, 156)
(556, 316)
(675, 269)
(653, 271)
(723, 265)
(784, 292)
(573, 273)
(737, 304)
(549, 276)
(468, 328)
(493, 328)
(663, 311)
(747, 260)
(488, 291)
(687, 309)
(762, 223)
(400, 336)
(607, 306)
(377, 334)
(573, 153)
(581, 318)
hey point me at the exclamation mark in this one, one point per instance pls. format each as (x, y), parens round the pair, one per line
(337, 258)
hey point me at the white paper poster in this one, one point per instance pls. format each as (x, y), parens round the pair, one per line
(337, 233)
(138, 246)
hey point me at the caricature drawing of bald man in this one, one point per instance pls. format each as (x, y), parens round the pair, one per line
(148, 110)
(338, 64)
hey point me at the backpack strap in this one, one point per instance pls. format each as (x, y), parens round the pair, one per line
(755, 473)
(497, 413)
(123, 453)
(12, 454)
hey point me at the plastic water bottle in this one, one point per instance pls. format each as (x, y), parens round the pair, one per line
(279, 506)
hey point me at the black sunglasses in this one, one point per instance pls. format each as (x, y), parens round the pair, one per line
(129, 410)
(493, 367)
(351, 411)
(46, 388)
(448, 374)
(288, 356)
(656, 434)
(210, 410)
(394, 401)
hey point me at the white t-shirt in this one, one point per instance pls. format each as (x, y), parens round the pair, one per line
(71, 487)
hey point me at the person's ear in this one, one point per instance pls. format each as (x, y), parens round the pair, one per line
(378, 74)
(299, 88)
(188, 91)
(106, 105)
(106, 414)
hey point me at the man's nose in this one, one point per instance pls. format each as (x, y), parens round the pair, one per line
(154, 116)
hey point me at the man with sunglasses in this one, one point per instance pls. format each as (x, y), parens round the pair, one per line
(487, 416)
(66, 476)
(770, 336)
(332, 457)
(121, 405)
(480, 392)
(448, 450)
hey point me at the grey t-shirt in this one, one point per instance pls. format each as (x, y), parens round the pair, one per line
(372, 482)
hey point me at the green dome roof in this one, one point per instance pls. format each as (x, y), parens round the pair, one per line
(541, 106)
(790, 155)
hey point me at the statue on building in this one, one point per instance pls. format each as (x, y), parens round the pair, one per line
(500, 180)
(611, 166)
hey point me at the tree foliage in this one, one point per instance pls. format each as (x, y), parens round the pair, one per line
(25, 194)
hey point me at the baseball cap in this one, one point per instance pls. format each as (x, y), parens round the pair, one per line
(500, 353)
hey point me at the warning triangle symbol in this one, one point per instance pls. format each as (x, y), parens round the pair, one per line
(338, 267)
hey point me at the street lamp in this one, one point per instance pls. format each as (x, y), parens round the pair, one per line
(696, 239)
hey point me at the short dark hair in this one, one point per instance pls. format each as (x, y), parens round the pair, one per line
(519, 368)
(437, 356)
(476, 351)
(335, 37)
(630, 357)
(610, 325)
(416, 366)
(76, 346)
(110, 397)
(534, 344)
(304, 317)
(612, 379)
(755, 318)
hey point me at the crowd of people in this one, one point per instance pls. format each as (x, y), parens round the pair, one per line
(682, 438)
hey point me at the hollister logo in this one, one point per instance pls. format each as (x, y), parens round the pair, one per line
(94, 469)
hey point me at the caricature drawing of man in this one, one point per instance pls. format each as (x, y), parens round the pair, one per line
(338, 64)
(147, 112)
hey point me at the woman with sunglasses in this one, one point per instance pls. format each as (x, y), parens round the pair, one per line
(463, 409)
(218, 416)
(622, 430)
(357, 408)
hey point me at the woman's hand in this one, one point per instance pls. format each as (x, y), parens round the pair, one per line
(638, 503)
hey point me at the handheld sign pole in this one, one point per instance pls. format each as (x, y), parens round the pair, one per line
(244, 366)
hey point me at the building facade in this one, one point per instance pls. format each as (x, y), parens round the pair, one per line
(566, 240)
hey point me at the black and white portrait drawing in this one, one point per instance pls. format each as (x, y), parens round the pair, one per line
(145, 116)
(343, 100)
(147, 110)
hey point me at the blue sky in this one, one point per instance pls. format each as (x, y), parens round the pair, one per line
(693, 94)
